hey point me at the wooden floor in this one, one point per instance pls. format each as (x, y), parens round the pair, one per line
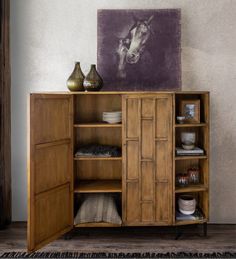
(221, 238)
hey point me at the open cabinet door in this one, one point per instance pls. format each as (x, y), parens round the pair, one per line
(50, 169)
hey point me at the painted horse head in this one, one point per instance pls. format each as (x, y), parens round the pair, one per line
(138, 37)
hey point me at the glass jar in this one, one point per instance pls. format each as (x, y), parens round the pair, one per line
(193, 174)
(182, 179)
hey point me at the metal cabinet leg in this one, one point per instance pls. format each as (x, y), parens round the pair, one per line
(69, 235)
(205, 229)
(178, 233)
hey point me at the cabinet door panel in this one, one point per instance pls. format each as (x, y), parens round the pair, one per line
(132, 118)
(50, 174)
(147, 139)
(52, 119)
(133, 160)
(133, 205)
(52, 213)
(163, 117)
(50, 170)
(147, 180)
(147, 158)
(148, 107)
(163, 204)
(162, 166)
(147, 212)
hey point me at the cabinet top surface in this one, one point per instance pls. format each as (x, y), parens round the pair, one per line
(122, 92)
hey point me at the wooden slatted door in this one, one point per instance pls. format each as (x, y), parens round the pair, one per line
(50, 177)
(147, 159)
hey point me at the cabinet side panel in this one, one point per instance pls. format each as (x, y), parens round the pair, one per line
(132, 202)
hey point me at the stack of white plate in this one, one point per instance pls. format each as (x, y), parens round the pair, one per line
(112, 117)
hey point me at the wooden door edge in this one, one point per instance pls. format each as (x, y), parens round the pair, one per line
(48, 240)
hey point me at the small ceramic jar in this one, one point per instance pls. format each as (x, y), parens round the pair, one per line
(187, 204)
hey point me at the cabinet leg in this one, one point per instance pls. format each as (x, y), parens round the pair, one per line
(69, 235)
(178, 233)
(205, 229)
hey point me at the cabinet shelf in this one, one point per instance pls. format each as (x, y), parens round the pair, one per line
(97, 224)
(98, 186)
(189, 222)
(187, 125)
(98, 158)
(97, 125)
(191, 188)
(190, 157)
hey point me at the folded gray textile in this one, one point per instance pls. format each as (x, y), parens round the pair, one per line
(99, 151)
(98, 208)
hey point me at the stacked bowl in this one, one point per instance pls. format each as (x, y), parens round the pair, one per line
(112, 117)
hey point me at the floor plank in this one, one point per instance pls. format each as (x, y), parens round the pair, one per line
(220, 238)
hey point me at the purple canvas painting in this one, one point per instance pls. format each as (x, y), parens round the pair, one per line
(139, 49)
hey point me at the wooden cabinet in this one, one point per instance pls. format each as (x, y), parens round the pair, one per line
(143, 178)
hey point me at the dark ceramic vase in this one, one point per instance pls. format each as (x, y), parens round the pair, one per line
(76, 79)
(93, 81)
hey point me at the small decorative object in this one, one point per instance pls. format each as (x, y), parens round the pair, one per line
(188, 140)
(93, 81)
(76, 79)
(180, 119)
(182, 179)
(112, 117)
(187, 204)
(191, 110)
(193, 174)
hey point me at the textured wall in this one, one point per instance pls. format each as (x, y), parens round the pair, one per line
(48, 36)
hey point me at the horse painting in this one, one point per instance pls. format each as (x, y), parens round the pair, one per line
(131, 48)
(139, 49)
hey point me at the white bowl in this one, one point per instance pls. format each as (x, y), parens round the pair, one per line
(180, 119)
(187, 212)
(112, 120)
(188, 138)
(188, 147)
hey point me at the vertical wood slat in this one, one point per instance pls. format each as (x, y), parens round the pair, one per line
(163, 159)
(5, 118)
